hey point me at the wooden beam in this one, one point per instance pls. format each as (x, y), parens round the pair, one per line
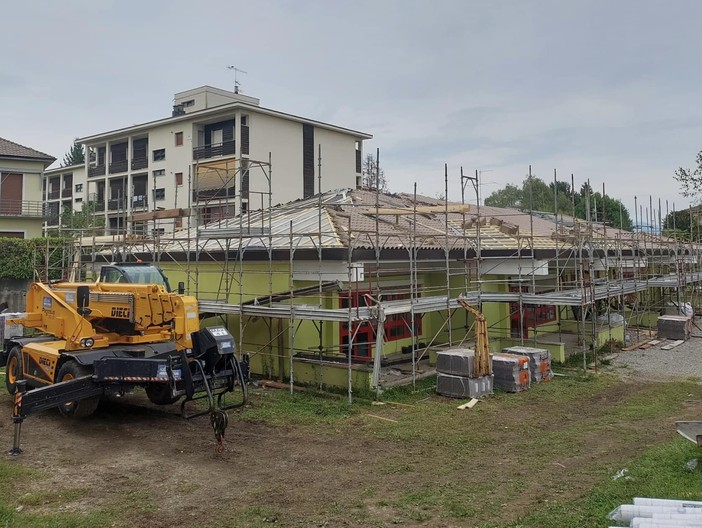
(160, 214)
(421, 209)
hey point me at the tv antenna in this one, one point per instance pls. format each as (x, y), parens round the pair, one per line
(236, 77)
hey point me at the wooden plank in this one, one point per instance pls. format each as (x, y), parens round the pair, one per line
(421, 209)
(672, 345)
(161, 214)
(468, 405)
(381, 418)
(636, 345)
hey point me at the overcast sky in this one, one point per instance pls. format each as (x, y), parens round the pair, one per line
(607, 90)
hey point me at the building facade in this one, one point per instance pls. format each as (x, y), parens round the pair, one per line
(219, 153)
(22, 209)
(63, 189)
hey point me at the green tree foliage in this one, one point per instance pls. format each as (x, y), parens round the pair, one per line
(510, 196)
(74, 156)
(684, 225)
(21, 258)
(536, 195)
(83, 219)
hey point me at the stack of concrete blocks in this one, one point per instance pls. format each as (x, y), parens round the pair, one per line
(676, 327)
(455, 375)
(512, 373)
(539, 361)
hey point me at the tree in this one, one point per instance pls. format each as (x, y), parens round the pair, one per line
(74, 156)
(537, 196)
(371, 178)
(691, 179)
(510, 196)
(83, 219)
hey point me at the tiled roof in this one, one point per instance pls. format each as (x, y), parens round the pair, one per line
(10, 149)
(348, 218)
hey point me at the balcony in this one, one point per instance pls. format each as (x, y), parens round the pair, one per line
(140, 203)
(214, 150)
(222, 193)
(67, 193)
(99, 206)
(115, 204)
(140, 163)
(118, 166)
(54, 195)
(97, 170)
(23, 208)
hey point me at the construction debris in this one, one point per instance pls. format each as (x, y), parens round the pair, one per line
(468, 405)
(651, 512)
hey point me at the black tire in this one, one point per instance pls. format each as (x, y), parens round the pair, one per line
(160, 394)
(80, 408)
(13, 369)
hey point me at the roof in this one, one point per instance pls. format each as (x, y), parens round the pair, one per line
(10, 149)
(221, 109)
(363, 220)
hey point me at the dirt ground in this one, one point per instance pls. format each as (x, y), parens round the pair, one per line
(330, 476)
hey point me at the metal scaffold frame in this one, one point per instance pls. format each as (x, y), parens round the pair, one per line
(587, 263)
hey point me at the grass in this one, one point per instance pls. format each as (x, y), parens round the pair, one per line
(661, 472)
(553, 450)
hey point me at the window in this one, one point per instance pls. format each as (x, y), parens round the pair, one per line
(159, 155)
(397, 326)
(159, 172)
(159, 194)
(179, 178)
(78, 200)
(186, 104)
(79, 187)
(178, 139)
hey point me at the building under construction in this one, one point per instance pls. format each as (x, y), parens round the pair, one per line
(359, 289)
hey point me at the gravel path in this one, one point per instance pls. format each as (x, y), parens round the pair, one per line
(682, 362)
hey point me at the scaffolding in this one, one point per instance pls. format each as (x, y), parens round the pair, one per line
(367, 270)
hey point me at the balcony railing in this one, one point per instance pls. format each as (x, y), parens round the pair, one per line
(99, 206)
(140, 163)
(115, 204)
(140, 203)
(23, 208)
(216, 149)
(118, 166)
(67, 192)
(53, 195)
(97, 170)
(214, 194)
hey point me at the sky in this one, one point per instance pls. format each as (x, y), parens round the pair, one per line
(608, 91)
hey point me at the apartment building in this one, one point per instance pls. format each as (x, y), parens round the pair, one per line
(63, 188)
(22, 209)
(219, 152)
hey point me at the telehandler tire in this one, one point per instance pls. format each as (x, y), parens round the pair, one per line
(13, 370)
(160, 394)
(80, 408)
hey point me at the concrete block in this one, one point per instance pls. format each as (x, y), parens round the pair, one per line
(512, 373)
(456, 361)
(463, 387)
(675, 327)
(539, 361)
